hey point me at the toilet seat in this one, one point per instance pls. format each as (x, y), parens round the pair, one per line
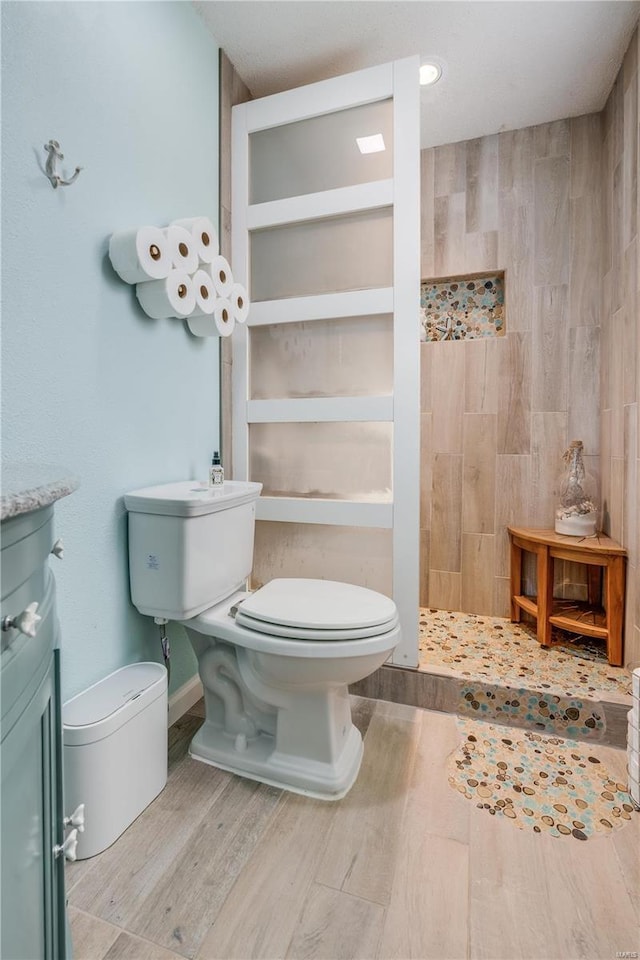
(317, 610)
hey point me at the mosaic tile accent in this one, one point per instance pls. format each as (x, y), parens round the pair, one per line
(544, 784)
(505, 653)
(553, 713)
(462, 308)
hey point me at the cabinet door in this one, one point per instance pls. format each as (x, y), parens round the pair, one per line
(29, 921)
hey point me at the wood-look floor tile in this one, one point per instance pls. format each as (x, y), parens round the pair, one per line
(501, 597)
(515, 165)
(586, 155)
(129, 947)
(550, 349)
(197, 710)
(398, 711)
(336, 926)
(479, 473)
(427, 244)
(441, 810)
(535, 896)
(260, 914)
(447, 387)
(548, 443)
(362, 709)
(586, 260)
(482, 185)
(552, 139)
(481, 252)
(425, 545)
(361, 849)
(445, 590)
(183, 905)
(514, 390)
(584, 372)
(449, 218)
(126, 873)
(181, 733)
(426, 470)
(450, 168)
(552, 249)
(516, 256)
(446, 512)
(512, 504)
(480, 376)
(90, 937)
(477, 573)
(427, 918)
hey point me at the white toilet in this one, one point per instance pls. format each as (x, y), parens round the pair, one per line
(275, 664)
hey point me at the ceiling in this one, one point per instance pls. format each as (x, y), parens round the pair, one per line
(506, 65)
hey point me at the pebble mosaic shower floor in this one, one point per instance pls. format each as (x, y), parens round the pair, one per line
(504, 675)
(539, 783)
(505, 653)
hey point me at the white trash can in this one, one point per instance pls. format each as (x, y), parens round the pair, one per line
(115, 751)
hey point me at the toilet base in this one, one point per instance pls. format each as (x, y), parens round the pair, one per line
(257, 759)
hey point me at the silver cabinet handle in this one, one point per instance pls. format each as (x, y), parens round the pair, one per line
(68, 848)
(58, 549)
(26, 622)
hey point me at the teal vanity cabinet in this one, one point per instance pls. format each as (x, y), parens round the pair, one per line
(32, 913)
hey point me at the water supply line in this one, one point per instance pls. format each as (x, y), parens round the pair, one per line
(164, 643)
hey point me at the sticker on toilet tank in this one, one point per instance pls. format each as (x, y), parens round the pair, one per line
(152, 562)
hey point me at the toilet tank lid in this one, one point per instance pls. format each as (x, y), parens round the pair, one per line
(190, 498)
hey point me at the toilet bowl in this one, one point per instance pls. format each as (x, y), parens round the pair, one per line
(275, 664)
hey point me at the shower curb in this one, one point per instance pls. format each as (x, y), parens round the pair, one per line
(449, 694)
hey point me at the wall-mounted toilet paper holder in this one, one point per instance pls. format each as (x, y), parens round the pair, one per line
(55, 154)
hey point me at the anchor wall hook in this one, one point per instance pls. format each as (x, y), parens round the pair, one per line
(55, 154)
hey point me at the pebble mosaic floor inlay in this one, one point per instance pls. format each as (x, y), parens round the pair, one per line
(499, 652)
(539, 783)
(463, 308)
(554, 713)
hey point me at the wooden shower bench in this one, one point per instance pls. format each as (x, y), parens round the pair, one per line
(602, 616)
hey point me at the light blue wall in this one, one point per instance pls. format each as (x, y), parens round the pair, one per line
(131, 92)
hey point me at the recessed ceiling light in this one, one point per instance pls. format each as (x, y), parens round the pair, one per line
(374, 144)
(430, 73)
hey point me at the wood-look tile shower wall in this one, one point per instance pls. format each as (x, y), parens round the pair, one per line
(497, 414)
(620, 380)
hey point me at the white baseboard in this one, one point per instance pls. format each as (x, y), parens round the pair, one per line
(185, 697)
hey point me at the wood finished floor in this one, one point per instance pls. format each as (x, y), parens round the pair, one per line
(403, 867)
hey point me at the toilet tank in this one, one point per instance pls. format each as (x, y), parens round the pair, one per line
(190, 546)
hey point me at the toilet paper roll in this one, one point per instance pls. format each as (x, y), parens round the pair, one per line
(205, 293)
(218, 324)
(182, 249)
(173, 297)
(221, 276)
(140, 255)
(203, 234)
(239, 299)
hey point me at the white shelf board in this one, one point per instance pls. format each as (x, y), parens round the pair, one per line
(344, 513)
(319, 206)
(325, 306)
(326, 96)
(320, 410)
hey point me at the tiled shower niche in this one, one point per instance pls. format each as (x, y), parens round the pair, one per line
(462, 308)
